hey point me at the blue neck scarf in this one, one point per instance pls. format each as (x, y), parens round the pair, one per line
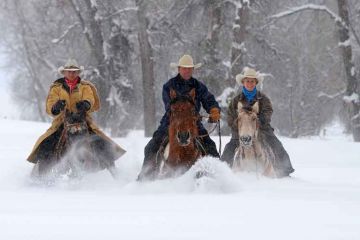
(249, 95)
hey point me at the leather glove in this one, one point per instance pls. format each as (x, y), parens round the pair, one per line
(214, 115)
(83, 106)
(58, 107)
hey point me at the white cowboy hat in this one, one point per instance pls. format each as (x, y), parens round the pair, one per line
(186, 61)
(70, 65)
(249, 73)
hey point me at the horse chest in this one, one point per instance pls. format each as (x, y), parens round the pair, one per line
(184, 156)
(245, 159)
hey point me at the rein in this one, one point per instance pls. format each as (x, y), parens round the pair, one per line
(67, 127)
(212, 130)
(217, 125)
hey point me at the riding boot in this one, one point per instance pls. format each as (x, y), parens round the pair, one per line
(229, 151)
(148, 170)
(210, 147)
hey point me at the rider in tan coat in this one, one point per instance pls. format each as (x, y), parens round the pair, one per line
(80, 97)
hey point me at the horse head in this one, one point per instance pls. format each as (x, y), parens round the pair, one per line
(183, 118)
(247, 124)
(75, 125)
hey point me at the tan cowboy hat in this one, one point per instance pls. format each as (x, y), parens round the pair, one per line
(249, 73)
(186, 61)
(70, 65)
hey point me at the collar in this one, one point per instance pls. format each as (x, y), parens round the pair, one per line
(64, 85)
(257, 97)
(179, 80)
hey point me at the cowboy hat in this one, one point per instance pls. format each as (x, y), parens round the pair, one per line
(186, 61)
(249, 73)
(70, 65)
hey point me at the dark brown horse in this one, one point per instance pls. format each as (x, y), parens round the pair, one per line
(74, 146)
(182, 150)
(74, 152)
(251, 155)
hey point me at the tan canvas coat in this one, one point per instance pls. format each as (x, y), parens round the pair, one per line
(83, 91)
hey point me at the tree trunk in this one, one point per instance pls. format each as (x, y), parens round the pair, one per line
(92, 29)
(38, 88)
(239, 35)
(352, 83)
(147, 66)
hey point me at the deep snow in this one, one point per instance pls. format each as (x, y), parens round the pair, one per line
(320, 201)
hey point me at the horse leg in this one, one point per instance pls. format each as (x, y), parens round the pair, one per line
(110, 166)
(269, 167)
(269, 170)
(237, 159)
(149, 170)
(35, 171)
(114, 172)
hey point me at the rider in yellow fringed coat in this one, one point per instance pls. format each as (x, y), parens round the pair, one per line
(73, 94)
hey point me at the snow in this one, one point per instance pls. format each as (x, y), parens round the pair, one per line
(316, 7)
(354, 97)
(335, 95)
(238, 46)
(320, 201)
(67, 30)
(223, 98)
(353, 71)
(94, 4)
(345, 43)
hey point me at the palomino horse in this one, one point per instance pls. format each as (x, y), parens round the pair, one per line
(182, 150)
(251, 155)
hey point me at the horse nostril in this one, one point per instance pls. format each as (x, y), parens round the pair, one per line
(245, 139)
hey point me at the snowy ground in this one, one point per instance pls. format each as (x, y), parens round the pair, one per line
(320, 201)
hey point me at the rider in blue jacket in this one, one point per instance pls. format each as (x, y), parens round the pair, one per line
(182, 83)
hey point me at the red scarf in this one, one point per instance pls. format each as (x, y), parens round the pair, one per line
(72, 84)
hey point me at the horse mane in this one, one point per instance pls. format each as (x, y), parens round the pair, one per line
(248, 108)
(182, 98)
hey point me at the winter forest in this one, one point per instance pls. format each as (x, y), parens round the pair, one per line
(308, 51)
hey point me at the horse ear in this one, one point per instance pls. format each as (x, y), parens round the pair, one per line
(256, 107)
(240, 106)
(172, 93)
(192, 94)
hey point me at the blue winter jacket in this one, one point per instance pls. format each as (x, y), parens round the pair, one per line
(202, 97)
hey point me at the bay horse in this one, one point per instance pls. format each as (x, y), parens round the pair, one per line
(252, 155)
(182, 151)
